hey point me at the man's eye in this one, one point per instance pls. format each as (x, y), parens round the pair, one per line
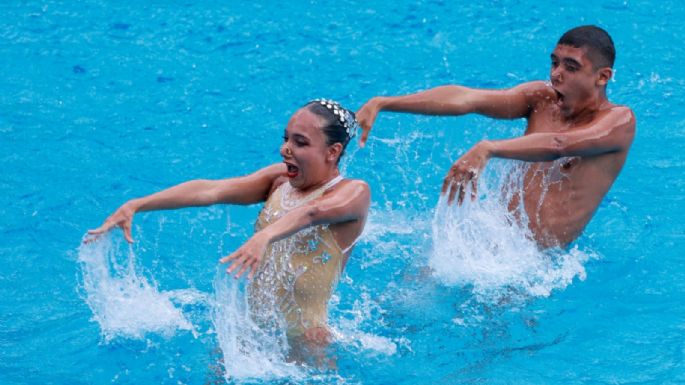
(285, 138)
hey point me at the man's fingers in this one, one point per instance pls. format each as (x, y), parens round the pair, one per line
(454, 187)
(461, 193)
(364, 136)
(474, 188)
(446, 183)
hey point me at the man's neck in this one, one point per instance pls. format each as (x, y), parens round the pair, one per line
(588, 112)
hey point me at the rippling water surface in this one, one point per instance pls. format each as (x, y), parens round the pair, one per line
(101, 103)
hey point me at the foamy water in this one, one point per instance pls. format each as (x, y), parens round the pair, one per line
(128, 304)
(480, 244)
(477, 245)
(248, 351)
(124, 302)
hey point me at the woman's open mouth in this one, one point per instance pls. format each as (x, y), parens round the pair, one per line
(292, 170)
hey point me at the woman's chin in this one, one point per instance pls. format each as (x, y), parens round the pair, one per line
(295, 182)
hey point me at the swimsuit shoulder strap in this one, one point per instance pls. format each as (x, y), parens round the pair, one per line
(288, 202)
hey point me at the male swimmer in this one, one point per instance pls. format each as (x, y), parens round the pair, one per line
(304, 233)
(574, 133)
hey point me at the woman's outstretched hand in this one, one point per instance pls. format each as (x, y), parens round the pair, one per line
(248, 257)
(122, 217)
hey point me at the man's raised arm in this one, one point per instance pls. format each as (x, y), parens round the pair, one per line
(511, 103)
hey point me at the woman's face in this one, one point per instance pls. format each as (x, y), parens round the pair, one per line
(309, 159)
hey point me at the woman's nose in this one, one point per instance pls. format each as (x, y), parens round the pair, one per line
(285, 150)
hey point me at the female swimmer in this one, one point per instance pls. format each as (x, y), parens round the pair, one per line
(310, 221)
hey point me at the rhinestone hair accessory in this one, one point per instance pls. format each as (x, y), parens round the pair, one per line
(346, 118)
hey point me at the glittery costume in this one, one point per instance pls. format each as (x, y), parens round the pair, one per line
(299, 272)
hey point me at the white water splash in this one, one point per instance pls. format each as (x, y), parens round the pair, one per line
(348, 329)
(480, 244)
(125, 303)
(249, 352)
(252, 353)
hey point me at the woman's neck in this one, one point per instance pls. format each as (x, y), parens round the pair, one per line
(322, 182)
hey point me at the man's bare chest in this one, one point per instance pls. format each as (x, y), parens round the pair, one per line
(545, 120)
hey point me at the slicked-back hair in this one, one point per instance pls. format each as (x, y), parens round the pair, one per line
(600, 47)
(333, 128)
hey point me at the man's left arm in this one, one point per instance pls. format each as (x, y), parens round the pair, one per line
(613, 132)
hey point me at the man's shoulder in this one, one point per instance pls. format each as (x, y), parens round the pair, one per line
(621, 109)
(535, 93)
(621, 115)
(619, 123)
(536, 88)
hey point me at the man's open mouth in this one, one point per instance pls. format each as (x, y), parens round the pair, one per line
(292, 170)
(560, 96)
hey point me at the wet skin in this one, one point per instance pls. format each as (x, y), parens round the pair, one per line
(309, 163)
(576, 140)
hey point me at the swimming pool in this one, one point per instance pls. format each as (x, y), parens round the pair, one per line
(103, 102)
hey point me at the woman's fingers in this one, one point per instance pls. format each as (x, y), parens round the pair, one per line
(244, 267)
(252, 272)
(242, 263)
(97, 231)
(127, 232)
(240, 260)
(105, 227)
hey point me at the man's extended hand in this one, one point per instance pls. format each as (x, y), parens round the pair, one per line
(366, 116)
(248, 256)
(466, 170)
(122, 217)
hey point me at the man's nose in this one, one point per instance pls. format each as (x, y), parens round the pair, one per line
(556, 75)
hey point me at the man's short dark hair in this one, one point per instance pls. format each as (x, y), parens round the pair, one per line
(600, 47)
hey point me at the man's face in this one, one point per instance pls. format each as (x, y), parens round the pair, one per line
(574, 78)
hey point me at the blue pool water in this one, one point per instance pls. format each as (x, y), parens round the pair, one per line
(100, 103)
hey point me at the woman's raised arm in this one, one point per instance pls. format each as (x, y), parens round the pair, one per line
(247, 189)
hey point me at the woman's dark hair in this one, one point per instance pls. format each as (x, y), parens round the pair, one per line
(339, 123)
(600, 47)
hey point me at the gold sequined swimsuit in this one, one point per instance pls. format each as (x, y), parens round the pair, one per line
(299, 273)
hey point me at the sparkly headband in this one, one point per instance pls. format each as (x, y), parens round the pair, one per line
(346, 118)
